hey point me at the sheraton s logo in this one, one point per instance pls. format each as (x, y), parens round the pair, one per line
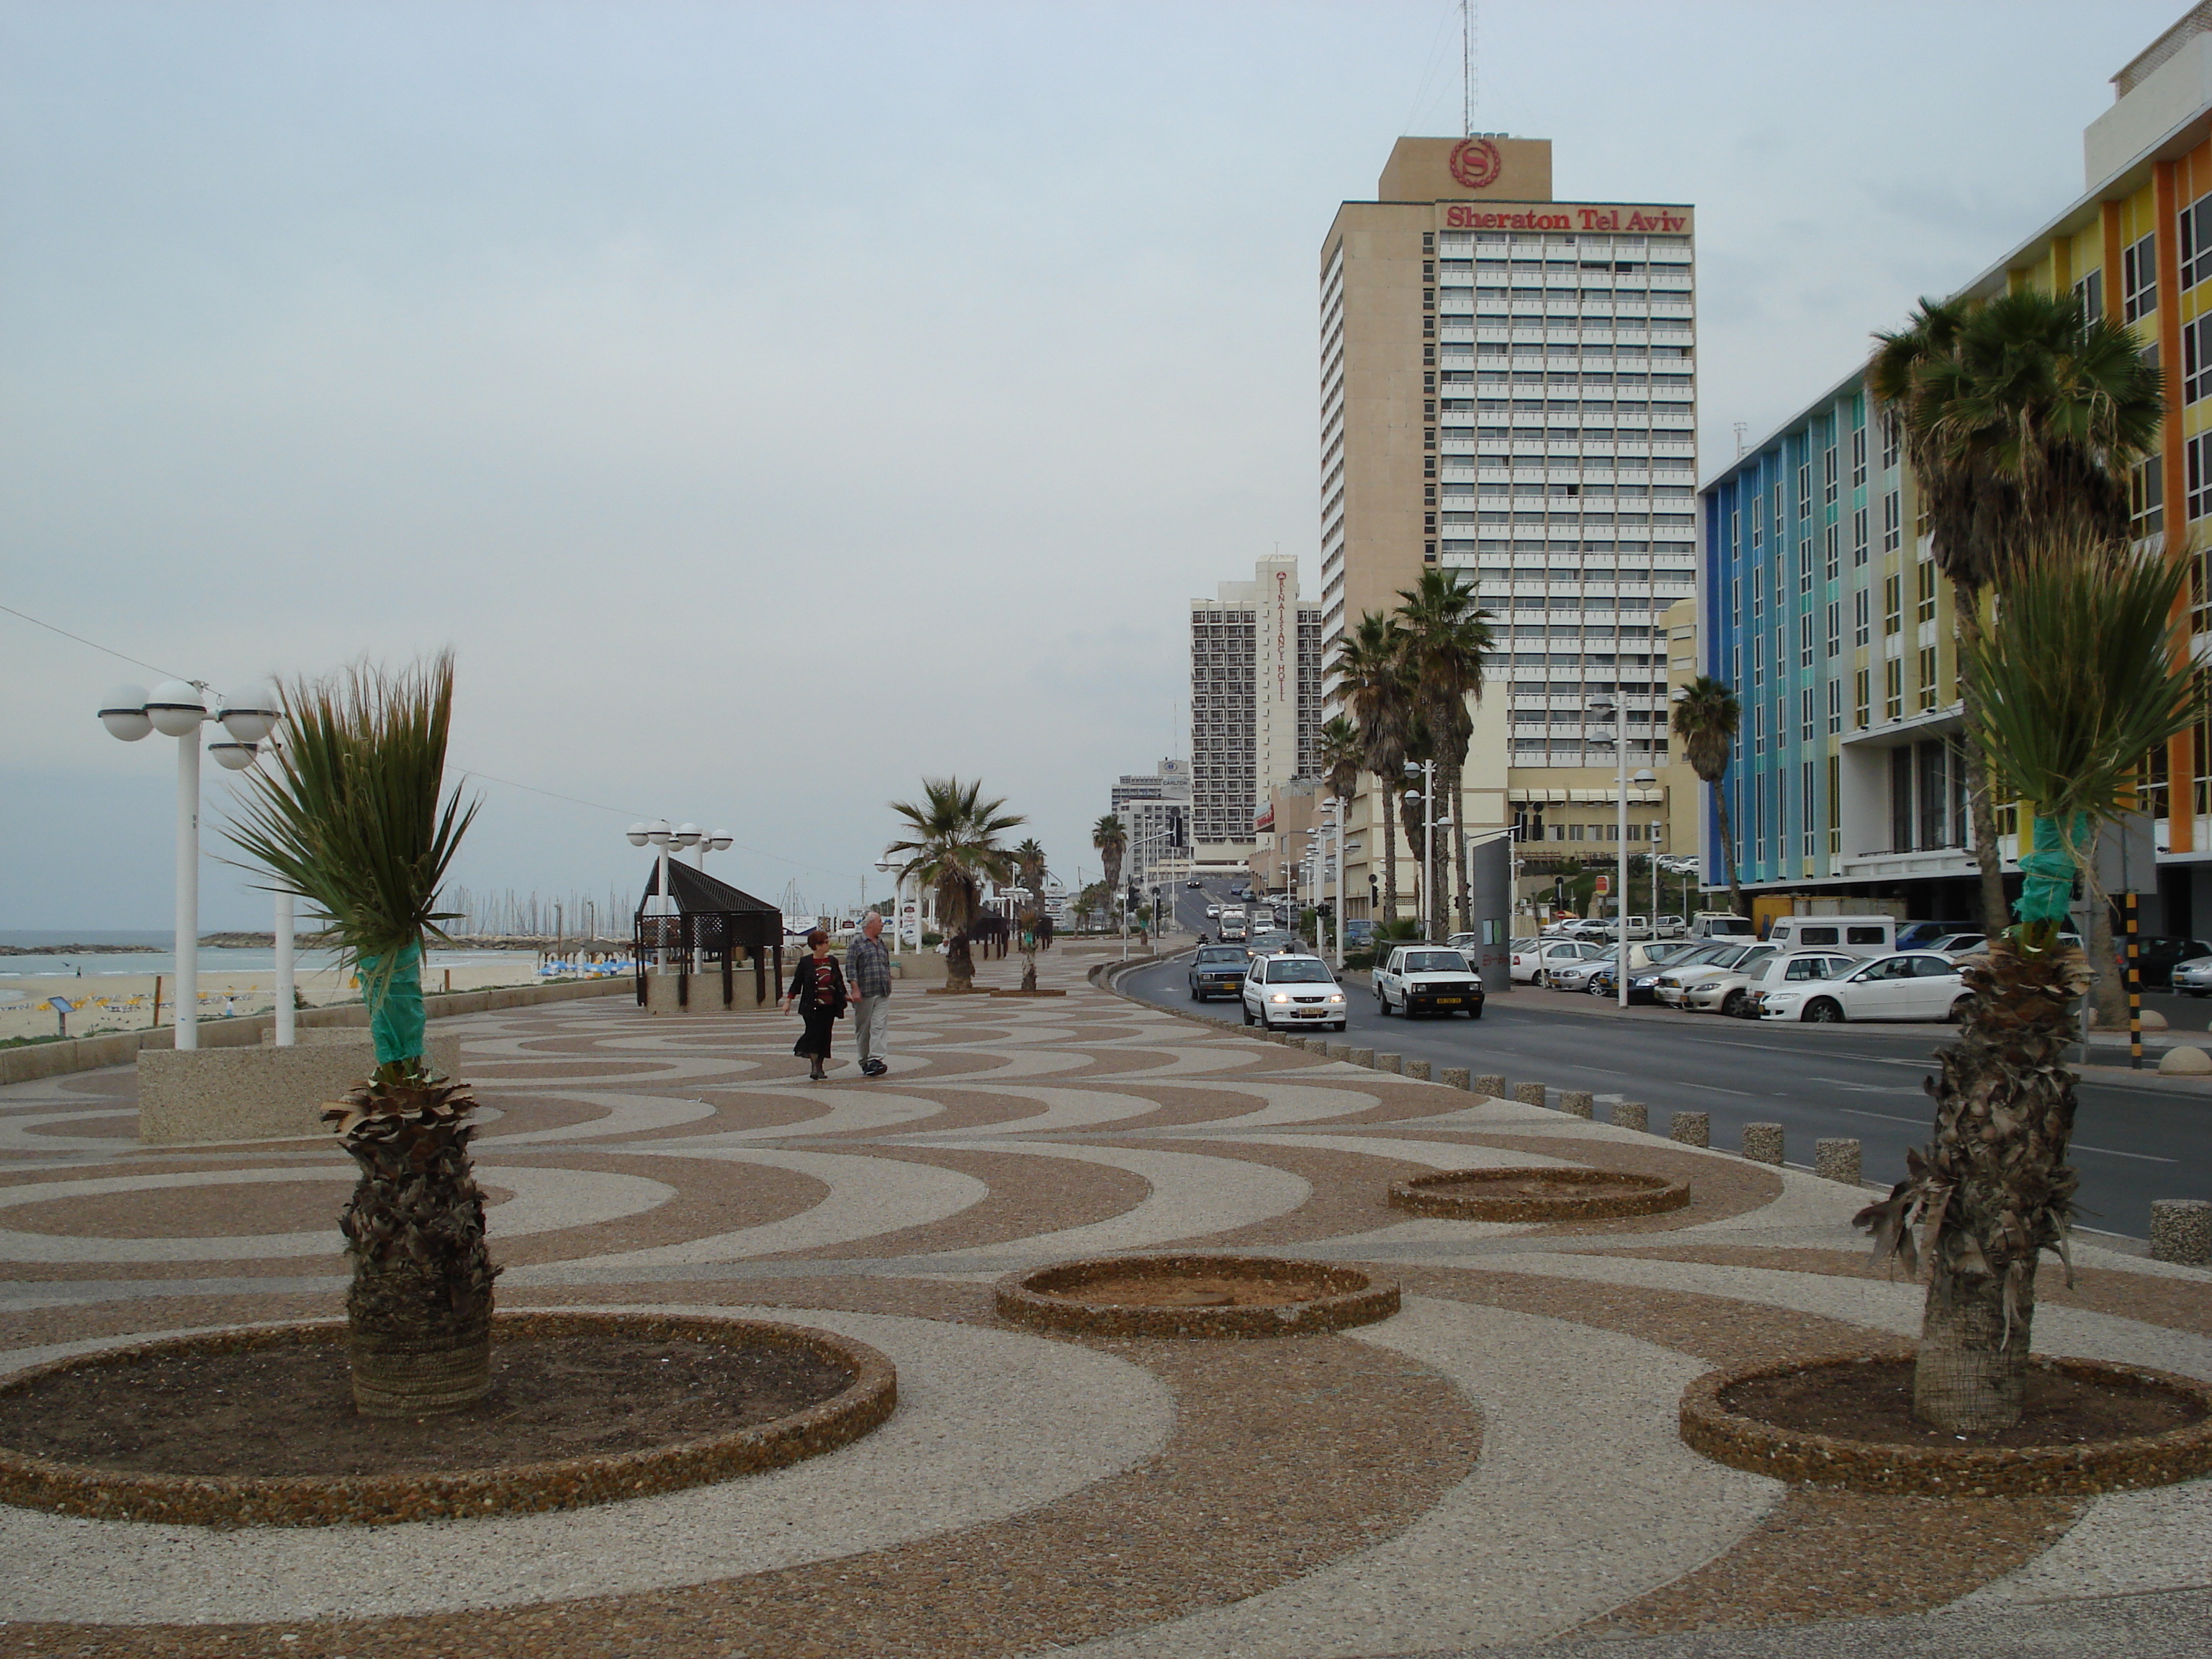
(1475, 163)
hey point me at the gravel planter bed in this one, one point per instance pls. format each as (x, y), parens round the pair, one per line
(1194, 1296)
(1713, 1422)
(1543, 1192)
(1041, 992)
(867, 1399)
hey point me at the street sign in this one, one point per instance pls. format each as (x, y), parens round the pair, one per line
(1605, 883)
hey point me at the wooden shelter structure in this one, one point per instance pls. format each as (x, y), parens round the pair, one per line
(716, 929)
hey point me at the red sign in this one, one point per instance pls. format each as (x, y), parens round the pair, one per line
(1657, 220)
(1475, 163)
(1605, 883)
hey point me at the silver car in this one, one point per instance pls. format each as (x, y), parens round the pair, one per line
(2194, 977)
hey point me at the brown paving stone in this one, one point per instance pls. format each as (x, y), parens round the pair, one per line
(196, 1211)
(1028, 1195)
(1270, 1474)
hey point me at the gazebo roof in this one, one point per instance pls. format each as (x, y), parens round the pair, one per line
(697, 893)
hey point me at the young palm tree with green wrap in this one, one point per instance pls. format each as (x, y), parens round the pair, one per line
(351, 819)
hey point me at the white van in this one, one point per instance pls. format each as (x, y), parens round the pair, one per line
(1722, 924)
(1858, 936)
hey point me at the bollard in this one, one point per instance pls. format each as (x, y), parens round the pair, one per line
(1491, 1084)
(1578, 1103)
(1631, 1115)
(2181, 1231)
(1455, 1077)
(1362, 1057)
(1338, 1050)
(1762, 1143)
(1417, 1070)
(1692, 1128)
(1837, 1160)
(1529, 1094)
(1389, 1063)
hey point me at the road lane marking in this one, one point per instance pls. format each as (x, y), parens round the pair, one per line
(2145, 1158)
(1887, 1117)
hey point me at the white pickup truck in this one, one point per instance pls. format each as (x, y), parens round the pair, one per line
(1427, 979)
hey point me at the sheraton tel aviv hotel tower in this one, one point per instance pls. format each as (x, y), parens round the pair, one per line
(1509, 387)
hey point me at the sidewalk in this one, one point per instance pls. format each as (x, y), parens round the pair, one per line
(1496, 1468)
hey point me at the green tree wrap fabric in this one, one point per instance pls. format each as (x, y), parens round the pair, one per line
(396, 1018)
(2046, 887)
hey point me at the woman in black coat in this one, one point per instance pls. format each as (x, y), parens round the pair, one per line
(818, 987)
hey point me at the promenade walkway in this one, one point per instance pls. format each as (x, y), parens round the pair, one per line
(1494, 1468)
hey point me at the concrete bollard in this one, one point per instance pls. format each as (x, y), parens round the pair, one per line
(1389, 1063)
(1455, 1077)
(1692, 1128)
(1631, 1115)
(1837, 1160)
(1578, 1103)
(1762, 1143)
(2181, 1231)
(1362, 1057)
(1529, 1094)
(1337, 1050)
(1491, 1084)
(1417, 1070)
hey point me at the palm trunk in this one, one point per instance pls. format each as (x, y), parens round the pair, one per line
(1464, 899)
(1995, 1184)
(1408, 824)
(1981, 807)
(1728, 847)
(1389, 852)
(959, 962)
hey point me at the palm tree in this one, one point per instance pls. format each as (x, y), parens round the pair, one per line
(351, 820)
(1447, 642)
(1368, 676)
(1706, 716)
(1341, 758)
(2020, 419)
(1029, 864)
(2078, 684)
(952, 847)
(1112, 841)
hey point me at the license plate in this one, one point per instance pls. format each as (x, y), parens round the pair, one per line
(1441, 1001)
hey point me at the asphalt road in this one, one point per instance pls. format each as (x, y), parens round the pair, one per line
(2135, 1140)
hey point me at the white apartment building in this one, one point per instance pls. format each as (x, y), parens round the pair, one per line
(1155, 809)
(1255, 694)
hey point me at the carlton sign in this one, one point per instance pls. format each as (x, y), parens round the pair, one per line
(1652, 220)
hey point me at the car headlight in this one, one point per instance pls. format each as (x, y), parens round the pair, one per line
(1280, 996)
(1339, 997)
(1643, 984)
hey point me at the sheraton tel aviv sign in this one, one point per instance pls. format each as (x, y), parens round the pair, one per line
(1653, 221)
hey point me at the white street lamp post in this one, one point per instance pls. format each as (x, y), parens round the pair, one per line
(178, 708)
(660, 836)
(234, 756)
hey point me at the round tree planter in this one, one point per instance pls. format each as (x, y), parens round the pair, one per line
(1711, 1423)
(295, 1500)
(1040, 992)
(1194, 1296)
(1543, 1193)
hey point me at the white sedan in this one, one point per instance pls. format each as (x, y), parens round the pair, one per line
(1534, 965)
(1910, 985)
(1292, 990)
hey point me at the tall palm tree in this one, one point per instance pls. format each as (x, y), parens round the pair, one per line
(1342, 759)
(1112, 841)
(1447, 644)
(1029, 862)
(1368, 675)
(2020, 417)
(2078, 684)
(951, 847)
(1705, 718)
(351, 819)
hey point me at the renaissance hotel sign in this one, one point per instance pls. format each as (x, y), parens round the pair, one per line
(1640, 221)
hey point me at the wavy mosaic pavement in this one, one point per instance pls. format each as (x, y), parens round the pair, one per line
(1496, 1465)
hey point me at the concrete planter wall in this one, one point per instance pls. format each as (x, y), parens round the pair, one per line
(263, 1093)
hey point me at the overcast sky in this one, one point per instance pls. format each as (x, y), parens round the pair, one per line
(772, 405)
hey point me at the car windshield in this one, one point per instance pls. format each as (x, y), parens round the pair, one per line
(1299, 970)
(1435, 961)
(1217, 953)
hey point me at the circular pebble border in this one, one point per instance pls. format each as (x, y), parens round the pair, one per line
(372, 1500)
(1571, 1199)
(1052, 1298)
(1747, 1442)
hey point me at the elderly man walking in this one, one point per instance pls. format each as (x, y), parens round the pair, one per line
(868, 970)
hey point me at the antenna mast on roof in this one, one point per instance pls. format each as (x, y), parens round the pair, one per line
(1467, 67)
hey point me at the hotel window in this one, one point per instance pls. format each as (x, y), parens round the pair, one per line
(1861, 602)
(2196, 457)
(1835, 628)
(1805, 567)
(1805, 804)
(1835, 706)
(1805, 641)
(1923, 609)
(1835, 804)
(1736, 533)
(1893, 606)
(1892, 522)
(1777, 510)
(1893, 688)
(1927, 679)
(1858, 456)
(2139, 279)
(1861, 698)
(1805, 715)
(1858, 537)
(2196, 359)
(1757, 596)
(1735, 600)
(1781, 583)
(1832, 546)
(2090, 291)
(1758, 529)
(2200, 604)
(2195, 242)
(1758, 660)
(1781, 723)
(1805, 490)
(1828, 477)
(1758, 728)
(2146, 500)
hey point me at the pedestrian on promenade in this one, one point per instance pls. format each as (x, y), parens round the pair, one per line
(817, 985)
(868, 970)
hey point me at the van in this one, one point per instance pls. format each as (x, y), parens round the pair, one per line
(1721, 924)
(1858, 936)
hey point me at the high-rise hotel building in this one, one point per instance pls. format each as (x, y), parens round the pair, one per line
(1256, 696)
(1509, 387)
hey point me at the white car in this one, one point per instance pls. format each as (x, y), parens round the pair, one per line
(1724, 991)
(1676, 983)
(1424, 978)
(1781, 969)
(1534, 965)
(1211, 911)
(1910, 985)
(1292, 990)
